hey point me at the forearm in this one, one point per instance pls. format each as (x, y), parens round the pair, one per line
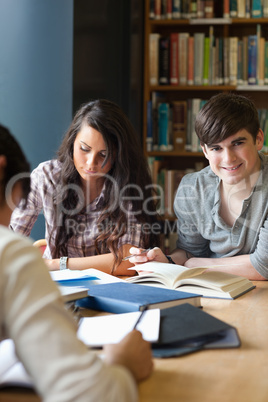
(102, 262)
(180, 256)
(237, 265)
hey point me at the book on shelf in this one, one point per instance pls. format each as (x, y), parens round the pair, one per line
(208, 284)
(252, 59)
(199, 39)
(179, 124)
(209, 9)
(200, 7)
(241, 9)
(256, 9)
(183, 57)
(176, 9)
(185, 329)
(206, 61)
(233, 52)
(164, 59)
(154, 58)
(124, 297)
(174, 59)
(165, 127)
(266, 62)
(226, 8)
(190, 67)
(233, 8)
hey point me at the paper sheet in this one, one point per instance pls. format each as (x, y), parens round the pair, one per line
(101, 330)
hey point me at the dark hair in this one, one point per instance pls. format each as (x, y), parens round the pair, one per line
(16, 164)
(224, 115)
(129, 166)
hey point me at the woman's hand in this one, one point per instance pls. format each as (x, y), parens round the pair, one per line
(155, 254)
(53, 265)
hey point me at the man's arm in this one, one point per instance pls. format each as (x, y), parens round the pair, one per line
(237, 265)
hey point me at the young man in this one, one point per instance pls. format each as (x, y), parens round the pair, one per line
(32, 313)
(222, 210)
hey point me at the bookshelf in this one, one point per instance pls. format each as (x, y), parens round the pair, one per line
(217, 30)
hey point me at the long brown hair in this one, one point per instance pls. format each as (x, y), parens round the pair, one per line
(129, 171)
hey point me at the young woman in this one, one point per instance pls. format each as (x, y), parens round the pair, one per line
(33, 315)
(96, 197)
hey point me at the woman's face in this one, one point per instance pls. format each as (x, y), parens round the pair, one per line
(89, 154)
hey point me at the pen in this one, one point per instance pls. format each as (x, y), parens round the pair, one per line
(136, 255)
(144, 308)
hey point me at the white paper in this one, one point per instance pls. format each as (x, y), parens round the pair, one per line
(67, 274)
(11, 370)
(102, 330)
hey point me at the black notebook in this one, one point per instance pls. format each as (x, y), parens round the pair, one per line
(185, 329)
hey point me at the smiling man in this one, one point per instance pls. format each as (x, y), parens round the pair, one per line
(222, 210)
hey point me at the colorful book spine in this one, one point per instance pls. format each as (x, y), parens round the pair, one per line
(183, 57)
(190, 67)
(154, 58)
(233, 8)
(176, 9)
(233, 51)
(266, 63)
(256, 9)
(174, 59)
(163, 126)
(206, 62)
(252, 59)
(164, 59)
(199, 40)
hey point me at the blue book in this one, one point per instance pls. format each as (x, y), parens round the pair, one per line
(122, 297)
(256, 9)
(252, 59)
(163, 126)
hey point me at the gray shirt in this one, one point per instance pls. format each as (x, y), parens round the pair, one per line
(203, 232)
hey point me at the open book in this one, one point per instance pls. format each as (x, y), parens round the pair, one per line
(193, 280)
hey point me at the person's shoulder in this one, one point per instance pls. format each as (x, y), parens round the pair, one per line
(264, 159)
(206, 175)
(8, 237)
(49, 170)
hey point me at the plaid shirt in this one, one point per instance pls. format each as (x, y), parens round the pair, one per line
(45, 186)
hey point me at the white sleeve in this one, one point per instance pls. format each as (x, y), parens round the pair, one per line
(33, 315)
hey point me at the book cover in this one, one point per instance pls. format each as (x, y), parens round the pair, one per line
(200, 8)
(164, 58)
(256, 9)
(174, 59)
(179, 126)
(185, 329)
(190, 66)
(209, 8)
(163, 126)
(226, 8)
(154, 58)
(126, 297)
(176, 9)
(199, 39)
(183, 57)
(252, 59)
(206, 62)
(233, 52)
(233, 8)
(266, 63)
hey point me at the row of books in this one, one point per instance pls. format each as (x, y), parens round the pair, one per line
(166, 182)
(192, 9)
(171, 126)
(182, 59)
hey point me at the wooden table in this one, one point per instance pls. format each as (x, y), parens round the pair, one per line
(228, 375)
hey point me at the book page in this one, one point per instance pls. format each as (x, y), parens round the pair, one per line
(12, 371)
(94, 275)
(167, 273)
(98, 331)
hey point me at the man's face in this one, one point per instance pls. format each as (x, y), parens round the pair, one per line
(236, 158)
